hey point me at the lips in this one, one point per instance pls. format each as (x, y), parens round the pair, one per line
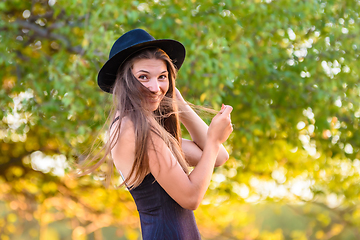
(155, 99)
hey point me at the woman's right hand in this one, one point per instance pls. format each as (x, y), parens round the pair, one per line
(220, 127)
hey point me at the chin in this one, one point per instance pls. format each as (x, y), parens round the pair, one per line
(154, 107)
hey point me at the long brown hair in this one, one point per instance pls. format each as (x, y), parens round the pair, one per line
(129, 99)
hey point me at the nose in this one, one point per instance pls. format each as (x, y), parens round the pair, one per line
(154, 86)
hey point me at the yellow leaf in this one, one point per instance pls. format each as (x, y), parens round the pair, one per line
(4, 237)
(336, 229)
(202, 97)
(79, 233)
(85, 42)
(12, 217)
(131, 234)
(9, 82)
(76, 30)
(319, 234)
(17, 171)
(51, 233)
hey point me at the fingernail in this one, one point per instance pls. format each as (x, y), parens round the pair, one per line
(222, 106)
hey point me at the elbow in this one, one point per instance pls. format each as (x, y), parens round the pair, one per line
(192, 203)
(193, 208)
(221, 159)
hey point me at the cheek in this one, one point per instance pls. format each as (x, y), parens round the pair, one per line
(145, 84)
(165, 86)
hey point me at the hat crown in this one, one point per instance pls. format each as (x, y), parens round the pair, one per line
(130, 43)
(131, 38)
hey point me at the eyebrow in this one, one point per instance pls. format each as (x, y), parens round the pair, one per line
(149, 72)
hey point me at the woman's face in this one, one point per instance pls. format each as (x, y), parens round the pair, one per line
(153, 74)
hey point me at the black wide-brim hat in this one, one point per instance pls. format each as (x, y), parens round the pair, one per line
(130, 43)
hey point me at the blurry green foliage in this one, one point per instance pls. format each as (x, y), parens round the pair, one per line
(289, 68)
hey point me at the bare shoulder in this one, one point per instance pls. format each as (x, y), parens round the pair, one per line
(127, 126)
(126, 133)
(123, 144)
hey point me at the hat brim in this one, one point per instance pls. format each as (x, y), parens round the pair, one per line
(107, 74)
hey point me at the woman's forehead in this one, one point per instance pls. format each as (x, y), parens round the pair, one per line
(149, 64)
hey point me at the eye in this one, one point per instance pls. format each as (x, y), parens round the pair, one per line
(162, 77)
(142, 77)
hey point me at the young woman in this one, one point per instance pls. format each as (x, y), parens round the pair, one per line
(145, 138)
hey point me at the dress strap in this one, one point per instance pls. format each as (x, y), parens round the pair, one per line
(122, 176)
(117, 118)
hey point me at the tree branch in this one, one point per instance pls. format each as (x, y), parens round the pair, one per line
(45, 33)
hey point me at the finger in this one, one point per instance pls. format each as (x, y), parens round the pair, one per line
(227, 110)
(222, 109)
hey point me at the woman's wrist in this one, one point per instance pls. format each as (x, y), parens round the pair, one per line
(182, 104)
(212, 141)
(213, 148)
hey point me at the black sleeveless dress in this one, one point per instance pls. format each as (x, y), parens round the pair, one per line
(160, 216)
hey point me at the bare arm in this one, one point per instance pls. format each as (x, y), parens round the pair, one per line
(198, 131)
(189, 190)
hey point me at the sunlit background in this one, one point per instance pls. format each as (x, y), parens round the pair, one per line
(290, 69)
